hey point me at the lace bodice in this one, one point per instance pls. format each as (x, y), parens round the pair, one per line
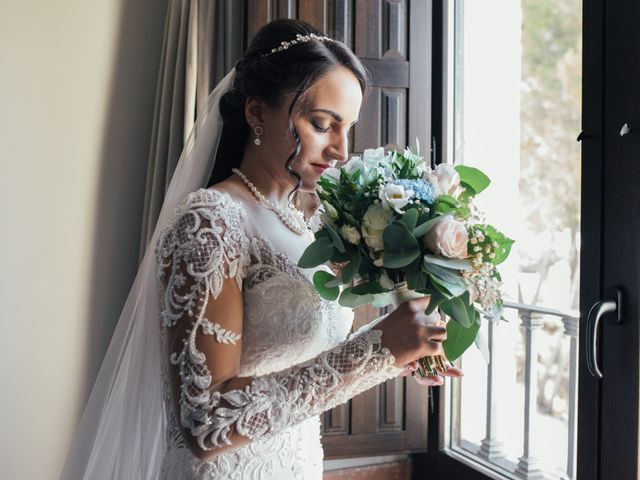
(289, 343)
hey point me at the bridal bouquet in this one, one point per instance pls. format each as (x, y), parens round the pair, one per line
(402, 230)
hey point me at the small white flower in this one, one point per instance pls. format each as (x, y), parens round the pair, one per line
(350, 233)
(354, 164)
(378, 262)
(372, 157)
(394, 197)
(330, 210)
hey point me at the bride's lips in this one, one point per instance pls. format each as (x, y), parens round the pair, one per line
(319, 167)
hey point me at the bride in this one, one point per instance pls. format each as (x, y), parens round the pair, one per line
(224, 355)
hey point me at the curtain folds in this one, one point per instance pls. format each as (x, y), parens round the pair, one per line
(202, 41)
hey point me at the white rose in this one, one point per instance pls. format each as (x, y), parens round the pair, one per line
(448, 237)
(350, 233)
(354, 164)
(394, 197)
(373, 156)
(445, 179)
(374, 222)
(332, 173)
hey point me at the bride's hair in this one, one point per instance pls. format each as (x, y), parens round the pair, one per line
(270, 77)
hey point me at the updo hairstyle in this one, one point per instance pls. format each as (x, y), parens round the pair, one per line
(271, 77)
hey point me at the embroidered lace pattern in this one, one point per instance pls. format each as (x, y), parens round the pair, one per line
(293, 349)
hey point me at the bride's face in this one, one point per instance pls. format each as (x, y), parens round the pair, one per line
(323, 119)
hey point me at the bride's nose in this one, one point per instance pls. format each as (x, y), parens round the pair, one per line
(339, 148)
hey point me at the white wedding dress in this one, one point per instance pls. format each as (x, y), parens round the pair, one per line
(293, 345)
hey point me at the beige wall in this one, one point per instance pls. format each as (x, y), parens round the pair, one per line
(77, 87)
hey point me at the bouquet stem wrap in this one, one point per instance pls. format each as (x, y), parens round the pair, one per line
(430, 365)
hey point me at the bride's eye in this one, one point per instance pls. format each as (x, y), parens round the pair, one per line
(318, 127)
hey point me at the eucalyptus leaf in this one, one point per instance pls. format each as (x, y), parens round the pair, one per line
(452, 263)
(436, 299)
(381, 300)
(424, 228)
(400, 246)
(351, 300)
(319, 252)
(446, 274)
(410, 218)
(352, 267)
(335, 238)
(320, 281)
(370, 287)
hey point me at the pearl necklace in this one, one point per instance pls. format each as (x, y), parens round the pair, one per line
(282, 215)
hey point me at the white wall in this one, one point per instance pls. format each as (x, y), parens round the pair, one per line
(77, 88)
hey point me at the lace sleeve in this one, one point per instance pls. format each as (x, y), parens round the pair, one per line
(202, 258)
(273, 402)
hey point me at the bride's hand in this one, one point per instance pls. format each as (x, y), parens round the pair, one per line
(408, 334)
(431, 380)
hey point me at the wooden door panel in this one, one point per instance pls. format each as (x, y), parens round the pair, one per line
(390, 418)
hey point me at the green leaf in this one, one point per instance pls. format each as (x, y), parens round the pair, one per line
(443, 208)
(434, 302)
(452, 263)
(459, 339)
(444, 274)
(473, 177)
(321, 279)
(381, 300)
(317, 253)
(400, 246)
(352, 267)
(410, 218)
(350, 300)
(416, 280)
(335, 238)
(457, 310)
(370, 287)
(449, 290)
(425, 227)
(504, 244)
(448, 200)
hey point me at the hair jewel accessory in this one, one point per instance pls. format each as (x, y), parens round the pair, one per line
(299, 39)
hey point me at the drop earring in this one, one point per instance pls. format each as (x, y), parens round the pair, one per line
(258, 131)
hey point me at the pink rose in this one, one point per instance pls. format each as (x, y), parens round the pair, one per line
(448, 237)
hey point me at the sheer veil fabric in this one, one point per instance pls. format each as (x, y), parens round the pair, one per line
(121, 432)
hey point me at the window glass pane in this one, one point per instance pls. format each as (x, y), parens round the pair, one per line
(515, 113)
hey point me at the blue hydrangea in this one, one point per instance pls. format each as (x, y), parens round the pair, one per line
(422, 190)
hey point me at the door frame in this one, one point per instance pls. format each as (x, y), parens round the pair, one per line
(594, 459)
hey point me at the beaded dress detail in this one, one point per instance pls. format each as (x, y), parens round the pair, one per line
(292, 347)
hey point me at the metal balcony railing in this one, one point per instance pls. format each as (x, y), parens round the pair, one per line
(488, 454)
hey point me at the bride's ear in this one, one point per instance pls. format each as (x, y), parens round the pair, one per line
(254, 112)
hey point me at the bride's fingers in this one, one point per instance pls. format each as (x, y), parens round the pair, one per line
(453, 372)
(435, 333)
(409, 369)
(429, 381)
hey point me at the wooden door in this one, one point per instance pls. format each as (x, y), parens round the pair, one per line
(391, 418)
